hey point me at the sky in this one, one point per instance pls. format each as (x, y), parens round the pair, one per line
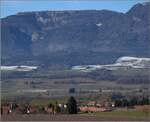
(10, 7)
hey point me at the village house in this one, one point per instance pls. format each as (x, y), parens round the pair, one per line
(93, 109)
(49, 110)
(142, 107)
(17, 111)
(87, 103)
(91, 103)
(31, 110)
(6, 109)
(96, 106)
(26, 109)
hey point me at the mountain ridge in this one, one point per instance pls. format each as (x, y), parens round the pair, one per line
(74, 37)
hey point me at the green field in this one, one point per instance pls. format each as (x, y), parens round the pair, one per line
(57, 83)
(129, 113)
(43, 102)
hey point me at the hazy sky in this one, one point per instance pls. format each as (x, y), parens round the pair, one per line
(9, 7)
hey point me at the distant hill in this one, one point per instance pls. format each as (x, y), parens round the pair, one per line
(75, 37)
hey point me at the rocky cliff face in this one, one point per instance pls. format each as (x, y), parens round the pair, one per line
(75, 37)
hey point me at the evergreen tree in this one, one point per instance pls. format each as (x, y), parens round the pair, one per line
(145, 101)
(125, 102)
(118, 103)
(133, 101)
(72, 106)
(50, 105)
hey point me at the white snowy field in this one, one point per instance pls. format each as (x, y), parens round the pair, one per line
(18, 68)
(122, 62)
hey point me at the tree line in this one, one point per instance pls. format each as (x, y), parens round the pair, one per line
(131, 102)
